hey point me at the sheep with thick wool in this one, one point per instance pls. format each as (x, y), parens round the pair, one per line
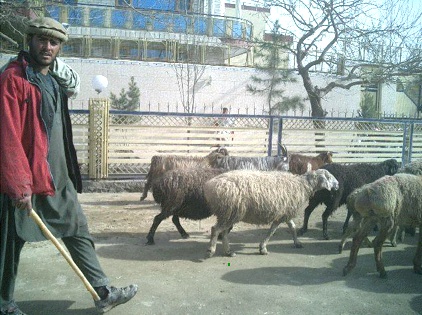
(180, 195)
(414, 168)
(357, 220)
(260, 197)
(163, 163)
(350, 177)
(388, 201)
(398, 232)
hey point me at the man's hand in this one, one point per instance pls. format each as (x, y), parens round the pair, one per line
(24, 203)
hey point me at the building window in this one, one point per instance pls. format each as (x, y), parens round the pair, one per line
(167, 5)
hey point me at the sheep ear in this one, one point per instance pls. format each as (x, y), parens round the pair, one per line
(283, 149)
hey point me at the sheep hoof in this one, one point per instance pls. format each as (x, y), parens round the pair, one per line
(383, 274)
(346, 270)
(185, 236)
(231, 254)
(150, 242)
(326, 237)
(143, 198)
(301, 231)
(209, 254)
(340, 249)
(298, 245)
(263, 251)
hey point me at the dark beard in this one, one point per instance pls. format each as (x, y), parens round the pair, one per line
(37, 61)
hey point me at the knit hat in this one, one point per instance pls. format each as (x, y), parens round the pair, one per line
(47, 26)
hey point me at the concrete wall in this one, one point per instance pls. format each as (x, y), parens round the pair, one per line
(219, 86)
(398, 102)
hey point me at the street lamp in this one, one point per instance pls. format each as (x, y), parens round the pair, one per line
(99, 82)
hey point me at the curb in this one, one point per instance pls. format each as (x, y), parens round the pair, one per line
(113, 186)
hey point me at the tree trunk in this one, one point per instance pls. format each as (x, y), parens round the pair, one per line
(314, 94)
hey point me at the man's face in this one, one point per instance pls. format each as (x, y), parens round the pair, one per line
(44, 49)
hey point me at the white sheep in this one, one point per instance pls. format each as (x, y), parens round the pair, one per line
(260, 197)
(389, 201)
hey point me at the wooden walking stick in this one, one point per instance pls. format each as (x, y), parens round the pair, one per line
(54, 240)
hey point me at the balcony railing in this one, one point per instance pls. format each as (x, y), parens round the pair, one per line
(152, 21)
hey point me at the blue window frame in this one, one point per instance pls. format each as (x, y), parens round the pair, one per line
(96, 17)
(75, 16)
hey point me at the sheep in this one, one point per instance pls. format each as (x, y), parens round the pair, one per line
(300, 164)
(414, 168)
(349, 177)
(265, 163)
(179, 193)
(388, 201)
(398, 232)
(260, 197)
(162, 163)
(357, 220)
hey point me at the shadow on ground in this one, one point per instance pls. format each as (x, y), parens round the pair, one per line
(401, 280)
(41, 307)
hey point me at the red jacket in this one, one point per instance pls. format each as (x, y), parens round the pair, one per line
(23, 140)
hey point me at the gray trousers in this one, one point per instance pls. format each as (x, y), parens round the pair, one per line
(81, 249)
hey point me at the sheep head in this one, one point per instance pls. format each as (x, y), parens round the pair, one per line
(321, 179)
(215, 157)
(327, 157)
(391, 166)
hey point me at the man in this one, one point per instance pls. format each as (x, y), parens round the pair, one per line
(224, 122)
(38, 165)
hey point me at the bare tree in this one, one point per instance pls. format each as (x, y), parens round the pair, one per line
(366, 42)
(188, 66)
(13, 16)
(188, 77)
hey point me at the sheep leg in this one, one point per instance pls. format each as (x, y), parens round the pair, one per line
(362, 232)
(179, 227)
(346, 222)
(393, 236)
(387, 225)
(157, 220)
(417, 260)
(263, 245)
(309, 209)
(401, 234)
(325, 215)
(226, 245)
(292, 227)
(350, 230)
(215, 231)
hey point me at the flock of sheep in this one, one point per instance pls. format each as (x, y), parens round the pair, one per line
(273, 190)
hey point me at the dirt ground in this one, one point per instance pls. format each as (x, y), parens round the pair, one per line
(173, 279)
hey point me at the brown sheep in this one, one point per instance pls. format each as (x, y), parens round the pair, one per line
(163, 163)
(300, 164)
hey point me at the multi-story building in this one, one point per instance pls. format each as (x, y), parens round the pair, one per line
(170, 30)
(146, 39)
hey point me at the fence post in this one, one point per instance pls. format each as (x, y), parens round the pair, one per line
(98, 138)
(279, 135)
(270, 136)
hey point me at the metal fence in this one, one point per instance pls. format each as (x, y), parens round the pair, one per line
(121, 144)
